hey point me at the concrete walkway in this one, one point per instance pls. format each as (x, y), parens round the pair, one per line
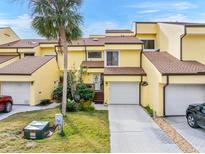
(26, 108)
(133, 131)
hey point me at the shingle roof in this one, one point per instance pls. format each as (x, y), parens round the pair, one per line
(93, 64)
(31, 43)
(6, 58)
(26, 43)
(169, 65)
(25, 66)
(124, 71)
(107, 40)
(122, 40)
(118, 31)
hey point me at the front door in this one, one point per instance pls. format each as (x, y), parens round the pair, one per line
(97, 81)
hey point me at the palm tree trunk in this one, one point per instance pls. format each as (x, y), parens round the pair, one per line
(65, 84)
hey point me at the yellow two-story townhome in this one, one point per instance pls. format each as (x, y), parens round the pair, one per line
(160, 64)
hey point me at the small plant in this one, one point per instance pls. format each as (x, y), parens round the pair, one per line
(85, 93)
(57, 93)
(87, 108)
(71, 106)
(45, 102)
(149, 110)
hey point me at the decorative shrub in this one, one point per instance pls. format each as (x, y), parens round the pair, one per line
(71, 106)
(87, 108)
(58, 93)
(85, 93)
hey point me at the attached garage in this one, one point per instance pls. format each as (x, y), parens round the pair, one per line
(30, 79)
(179, 96)
(124, 93)
(19, 91)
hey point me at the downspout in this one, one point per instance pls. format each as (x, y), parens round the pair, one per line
(141, 56)
(17, 51)
(56, 53)
(181, 43)
(164, 95)
(140, 91)
(85, 50)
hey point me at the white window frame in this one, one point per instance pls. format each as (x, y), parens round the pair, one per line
(155, 44)
(105, 58)
(95, 51)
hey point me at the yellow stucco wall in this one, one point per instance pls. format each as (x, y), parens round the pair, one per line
(146, 28)
(152, 94)
(194, 48)
(196, 30)
(45, 80)
(108, 79)
(168, 38)
(129, 58)
(120, 34)
(88, 75)
(7, 35)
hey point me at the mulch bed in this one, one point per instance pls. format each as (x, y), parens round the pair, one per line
(185, 146)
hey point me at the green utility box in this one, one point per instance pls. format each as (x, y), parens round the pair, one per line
(36, 130)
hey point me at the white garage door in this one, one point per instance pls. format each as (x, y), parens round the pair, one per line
(19, 91)
(178, 98)
(124, 93)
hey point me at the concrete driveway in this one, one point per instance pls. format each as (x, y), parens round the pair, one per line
(26, 108)
(133, 131)
(196, 137)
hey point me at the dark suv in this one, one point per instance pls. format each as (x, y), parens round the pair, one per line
(195, 115)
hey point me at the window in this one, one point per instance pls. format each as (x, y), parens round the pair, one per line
(96, 54)
(149, 44)
(29, 54)
(112, 58)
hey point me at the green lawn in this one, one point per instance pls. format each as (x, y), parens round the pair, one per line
(84, 132)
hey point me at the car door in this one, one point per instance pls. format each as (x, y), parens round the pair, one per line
(201, 116)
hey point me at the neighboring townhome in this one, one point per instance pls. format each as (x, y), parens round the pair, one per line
(173, 59)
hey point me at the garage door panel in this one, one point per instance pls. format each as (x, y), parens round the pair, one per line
(19, 91)
(179, 97)
(124, 93)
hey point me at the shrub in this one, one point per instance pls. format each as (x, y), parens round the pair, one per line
(45, 102)
(85, 93)
(83, 107)
(149, 110)
(58, 93)
(71, 106)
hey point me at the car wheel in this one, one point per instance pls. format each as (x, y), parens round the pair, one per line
(191, 120)
(8, 107)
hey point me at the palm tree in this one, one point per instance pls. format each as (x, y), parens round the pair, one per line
(58, 19)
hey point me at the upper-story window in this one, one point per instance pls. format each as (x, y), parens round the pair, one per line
(112, 58)
(149, 44)
(95, 54)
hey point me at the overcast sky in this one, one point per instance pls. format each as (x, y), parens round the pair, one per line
(109, 14)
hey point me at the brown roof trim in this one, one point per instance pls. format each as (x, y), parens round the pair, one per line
(145, 22)
(197, 25)
(124, 43)
(118, 31)
(182, 74)
(125, 74)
